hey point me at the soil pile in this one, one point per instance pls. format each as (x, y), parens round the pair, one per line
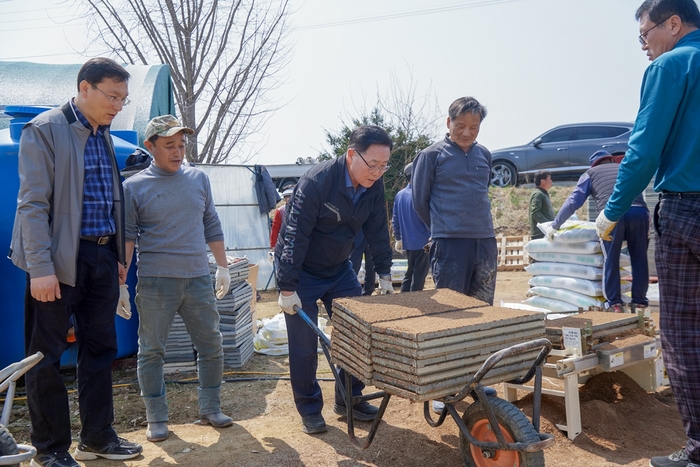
(620, 419)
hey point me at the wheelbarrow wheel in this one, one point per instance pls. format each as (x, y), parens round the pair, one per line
(8, 446)
(515, 426)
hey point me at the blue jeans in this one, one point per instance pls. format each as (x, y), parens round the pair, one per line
(466, 265)
(158, 299)
(303, 342)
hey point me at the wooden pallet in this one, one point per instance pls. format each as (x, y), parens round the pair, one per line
(511, 253)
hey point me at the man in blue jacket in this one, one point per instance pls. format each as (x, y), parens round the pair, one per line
(450, 193)
(332, 202)
(665, 141)
(411, 235)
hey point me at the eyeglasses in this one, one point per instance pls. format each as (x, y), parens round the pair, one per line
(373, 168)
(124, 101)
(643, 36)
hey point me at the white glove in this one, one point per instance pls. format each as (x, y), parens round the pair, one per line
(604, 226)
(288, 303)
(223, 282)
(124, 305)
(398, 246)
(385, 286)
(549, 232)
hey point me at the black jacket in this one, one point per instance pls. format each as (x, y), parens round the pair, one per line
(320, 224)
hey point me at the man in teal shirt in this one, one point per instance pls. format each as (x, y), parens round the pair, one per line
(666, 141)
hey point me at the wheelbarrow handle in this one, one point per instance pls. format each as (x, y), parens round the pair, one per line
(325, 341)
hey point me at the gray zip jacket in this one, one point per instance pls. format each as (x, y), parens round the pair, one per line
(46, 233)
(451, 190)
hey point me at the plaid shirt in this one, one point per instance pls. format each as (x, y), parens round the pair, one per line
(97, 188)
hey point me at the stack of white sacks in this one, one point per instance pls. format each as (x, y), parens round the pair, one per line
(568, 272)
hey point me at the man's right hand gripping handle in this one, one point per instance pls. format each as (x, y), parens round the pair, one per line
(45, 289)
(287, 300)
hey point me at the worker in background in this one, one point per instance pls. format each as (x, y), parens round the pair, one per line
(362, 249)
(411, 236)
(665, 142)
(540, 209)
(279, 214)
(633, 227)
(331, 203)
(69, 238)
(451, 195)
(170, 219)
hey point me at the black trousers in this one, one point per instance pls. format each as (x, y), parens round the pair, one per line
(418, 265)
(93, 304)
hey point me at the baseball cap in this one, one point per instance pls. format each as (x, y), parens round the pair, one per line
(408, 170)
(165, 125)
(598, 157)
(288, 192)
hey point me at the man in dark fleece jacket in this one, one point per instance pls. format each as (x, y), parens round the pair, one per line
(450, 193)
(332, 202)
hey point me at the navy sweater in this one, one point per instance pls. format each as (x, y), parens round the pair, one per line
(451, 190)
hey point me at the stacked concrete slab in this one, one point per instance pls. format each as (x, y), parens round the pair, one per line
(235, 316)
(603, 326)
(424, 345)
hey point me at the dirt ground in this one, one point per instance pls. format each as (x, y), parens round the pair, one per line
(622, 424)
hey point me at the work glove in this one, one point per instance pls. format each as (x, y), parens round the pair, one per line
(398, 246)
(385, 286)
(124, 305)
(223, 281)
(604, 226)
(287, 304)
(549, 232)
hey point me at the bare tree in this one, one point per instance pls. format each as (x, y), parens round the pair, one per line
(224, 56)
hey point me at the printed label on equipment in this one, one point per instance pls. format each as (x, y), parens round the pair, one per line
(617, 359)
(572, 339)
(650, 351)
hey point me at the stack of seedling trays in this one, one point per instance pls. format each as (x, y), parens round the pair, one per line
(179, 351)
(425, 345)
(596, 325)
(235, 315)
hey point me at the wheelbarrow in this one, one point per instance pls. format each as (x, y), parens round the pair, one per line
(493, 432)
(10, 452)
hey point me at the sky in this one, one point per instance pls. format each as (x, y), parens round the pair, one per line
(534, 64)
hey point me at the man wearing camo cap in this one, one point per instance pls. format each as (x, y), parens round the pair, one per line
(170, 219)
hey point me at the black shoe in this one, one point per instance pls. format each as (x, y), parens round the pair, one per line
(313, 423)
(118, 450)
(677, 459)
(57, 459)
(363, 411)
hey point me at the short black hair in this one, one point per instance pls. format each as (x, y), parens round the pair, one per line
(97, 69)
(541, 176)
(464, 105)
(659, 10)
(364, 136)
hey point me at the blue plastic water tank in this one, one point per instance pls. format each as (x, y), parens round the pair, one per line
(14, 280)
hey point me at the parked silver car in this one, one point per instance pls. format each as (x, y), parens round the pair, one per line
(564, 151)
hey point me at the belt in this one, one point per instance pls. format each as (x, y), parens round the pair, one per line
(95, 239)
(672, 194)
